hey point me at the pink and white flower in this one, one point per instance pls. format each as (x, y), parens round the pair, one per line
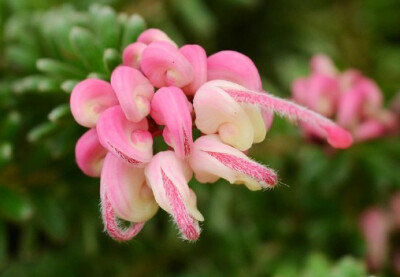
(352, 100)
(221, 95)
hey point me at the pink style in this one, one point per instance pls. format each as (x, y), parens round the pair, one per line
(350, 99)
(164, 90)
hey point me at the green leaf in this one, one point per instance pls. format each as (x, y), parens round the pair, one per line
(60, 113)
(59, 69)
(69, 85)
(111, 58)
(6, 153)
(133, 27)
(86, 48)
(14, 205)
(50, 215)
(106, 25)
(42, 131)
(10, 125)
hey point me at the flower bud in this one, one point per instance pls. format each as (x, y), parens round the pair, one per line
(212, 159)
(89, 99)
(134, 92)
(127, 191)
(217, 112)
(234, 67)
(90, 153)
(152, 35)
(129, 141)
(132, 54)
(322, 64)
(171, 108)
(164, 65)
(168, 177)
(197, 57)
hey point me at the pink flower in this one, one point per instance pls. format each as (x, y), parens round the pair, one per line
(377, 225)
(348, 98)
(221, 95)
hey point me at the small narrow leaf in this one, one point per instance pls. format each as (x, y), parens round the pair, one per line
(133, 27)
(86, 48)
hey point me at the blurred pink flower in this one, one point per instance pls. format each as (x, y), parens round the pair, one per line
(377, 225)
(222, 95)
(349, 98)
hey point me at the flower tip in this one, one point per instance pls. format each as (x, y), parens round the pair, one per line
(339, 137)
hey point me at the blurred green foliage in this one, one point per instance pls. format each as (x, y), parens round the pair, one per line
(49, 217)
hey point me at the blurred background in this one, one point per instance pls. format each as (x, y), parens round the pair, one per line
(50, 223)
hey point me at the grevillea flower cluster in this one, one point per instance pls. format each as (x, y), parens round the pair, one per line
(349, 98)
(164, 90)
(378, 225)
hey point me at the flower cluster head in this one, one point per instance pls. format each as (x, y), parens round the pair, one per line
(164, 90)
(349, 98)
(377, 226)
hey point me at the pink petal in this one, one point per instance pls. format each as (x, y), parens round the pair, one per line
(300, 91)
(89, 99)
(168, 176)
(90, 153)
(373, 98)
(234, 67)
(350, 108)
(322, 64)
(132, 54)
(129, 141)
(374, 227)
(212, 159)
(152, 35)
(127, 190)
(171, 108)
(164, 65)
(113, 226)
(134, 92)
(323, 94)
(217, 112)
(197, 57)
(349, 78)
(336, 136)
(368, 130)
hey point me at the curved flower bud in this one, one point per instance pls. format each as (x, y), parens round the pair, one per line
(349, 78)
(168, 177)
(369, 129)
(300, 91)
(217, 112)
(152, 35)
(171, 108)
(113, 226)
(90, 153)
(372, 96)
(375, 227)
(197, 57)
(336, 136)
(134, 92)
(132, 54)
(165, 66)
(322, 64)
(234, 67)
(350, 107)
(212, 159)
(127, 191)
(89, 99)
(323, 94)
(129, 141)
